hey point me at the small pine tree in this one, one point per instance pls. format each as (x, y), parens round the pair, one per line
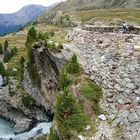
(2, 69)
(1, 49)
(46, 36)
(7, 56)
(32, 35)
(22, 60)
(13, 51)
(39, 36)
(69, 115)
(5, 45)
(52, 33)
(64, 79)
(73, 66)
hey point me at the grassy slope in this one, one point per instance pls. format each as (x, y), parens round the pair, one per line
(130, 15)
(18, 40)
(96, 4)
(109, 11)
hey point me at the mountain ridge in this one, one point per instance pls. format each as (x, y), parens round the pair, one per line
(96, 4)
(13, 22)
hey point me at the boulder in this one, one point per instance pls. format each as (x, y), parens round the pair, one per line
(22, 125)
(133, 117)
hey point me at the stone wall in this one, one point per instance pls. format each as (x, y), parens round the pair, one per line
(111, 61)
(110, 29)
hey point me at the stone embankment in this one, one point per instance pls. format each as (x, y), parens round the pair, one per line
(110, 59)
(116, 29)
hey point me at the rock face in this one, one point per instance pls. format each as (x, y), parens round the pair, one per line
(47, 66)
(111, 61)
(14, 110)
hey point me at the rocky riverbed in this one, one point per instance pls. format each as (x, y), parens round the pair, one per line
(112, 61)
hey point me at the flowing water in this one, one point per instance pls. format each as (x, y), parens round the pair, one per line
(6, 131)
(5, 128)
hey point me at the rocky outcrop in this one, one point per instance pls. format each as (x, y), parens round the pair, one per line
(13, 109)
(48, 66)
(111, 61)
(60, 19)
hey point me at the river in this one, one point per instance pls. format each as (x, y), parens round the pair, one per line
(6, 131)
(5, 128)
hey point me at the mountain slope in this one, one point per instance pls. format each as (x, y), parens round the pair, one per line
(12, 22)
(96, 4)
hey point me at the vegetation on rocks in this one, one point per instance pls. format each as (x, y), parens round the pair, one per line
(69, 115)
(7, 52)
(31, 38)
(92, 92)
(28, 101)
(1, 49)
(73, 66)
(64, 80)
(22, 60)
(53, 135)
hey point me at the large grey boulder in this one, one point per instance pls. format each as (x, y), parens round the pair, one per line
(22, 125)
(133, 117)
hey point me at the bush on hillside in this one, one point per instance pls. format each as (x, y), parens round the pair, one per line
(2, 69)
(73, 66)
(1, 49)
(28, 101)
(64, 79)
(69, 115)
(53, 135)
(5, 45)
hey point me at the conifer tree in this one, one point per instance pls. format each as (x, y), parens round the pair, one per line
(2, 69)
(73, 66)
(5, 45)
(7, 56)
(32, 35)
(1, 49)
(69, 115)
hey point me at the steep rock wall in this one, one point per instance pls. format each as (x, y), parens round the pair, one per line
(48, 66)
(13, 109)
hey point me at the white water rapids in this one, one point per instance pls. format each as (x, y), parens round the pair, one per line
(7, 132)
